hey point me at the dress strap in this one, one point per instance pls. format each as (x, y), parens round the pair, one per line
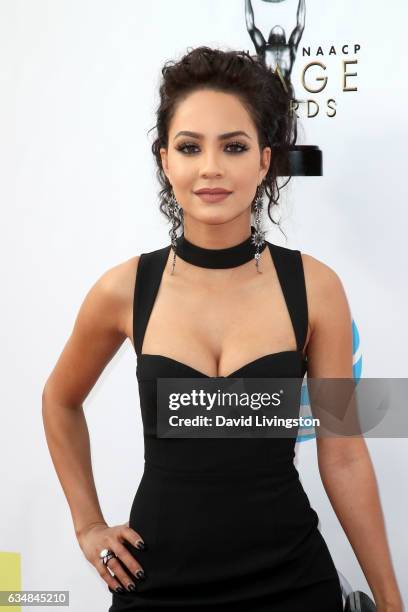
(147, 282)
(289, 268)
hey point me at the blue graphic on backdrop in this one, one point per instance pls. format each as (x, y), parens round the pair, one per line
(308, 433)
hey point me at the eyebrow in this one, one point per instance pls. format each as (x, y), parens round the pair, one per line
(220, 136)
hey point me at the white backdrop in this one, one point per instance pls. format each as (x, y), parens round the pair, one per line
(79, 85)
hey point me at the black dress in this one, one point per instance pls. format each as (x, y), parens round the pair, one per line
(227, 523)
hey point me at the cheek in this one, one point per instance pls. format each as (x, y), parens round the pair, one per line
(243, 181)
(183, 174)
(243, 168)
(242, 178)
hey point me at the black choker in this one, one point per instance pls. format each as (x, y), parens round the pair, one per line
(229, 257)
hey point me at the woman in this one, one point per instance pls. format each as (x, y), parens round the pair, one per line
(220, 522)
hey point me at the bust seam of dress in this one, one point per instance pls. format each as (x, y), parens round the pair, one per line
(231, 375)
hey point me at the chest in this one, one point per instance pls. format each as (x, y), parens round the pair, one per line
(216, 328)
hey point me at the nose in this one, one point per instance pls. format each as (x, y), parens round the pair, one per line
(210, 165)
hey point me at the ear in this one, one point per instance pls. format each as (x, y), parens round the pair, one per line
(265, 161)
(164, 161)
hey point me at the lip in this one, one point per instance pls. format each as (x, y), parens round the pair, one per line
(214, 190)
(214, 196)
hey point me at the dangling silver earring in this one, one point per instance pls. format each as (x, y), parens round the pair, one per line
(175, 211)
(258, 237)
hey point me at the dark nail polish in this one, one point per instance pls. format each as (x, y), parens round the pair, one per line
(120, 589)
(140, 574)
(140, 545)
(132, 587)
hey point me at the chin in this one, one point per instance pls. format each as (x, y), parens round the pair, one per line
(214, 218)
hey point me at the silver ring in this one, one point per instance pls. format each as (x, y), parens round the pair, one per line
(106, 554)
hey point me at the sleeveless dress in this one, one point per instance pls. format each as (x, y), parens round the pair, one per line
(226, 522)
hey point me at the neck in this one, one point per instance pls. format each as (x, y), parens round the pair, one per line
(228, 257)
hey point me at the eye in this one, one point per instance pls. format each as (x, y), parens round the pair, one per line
(186, 148)
(242, 147)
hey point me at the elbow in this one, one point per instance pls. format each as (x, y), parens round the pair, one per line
(339, 453)
(45, 396)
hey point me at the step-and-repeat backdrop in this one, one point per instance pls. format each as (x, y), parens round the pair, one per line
(79, 195)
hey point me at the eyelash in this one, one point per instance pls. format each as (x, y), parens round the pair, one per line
(182, 147)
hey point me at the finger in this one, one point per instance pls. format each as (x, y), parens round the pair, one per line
(110, 580)
(127, 559)
(121, 575)
(133, 537)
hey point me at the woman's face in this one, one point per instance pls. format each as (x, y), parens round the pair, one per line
(207, 159)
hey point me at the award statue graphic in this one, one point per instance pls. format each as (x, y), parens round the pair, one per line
(279, 55)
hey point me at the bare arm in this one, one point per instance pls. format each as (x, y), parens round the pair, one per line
(344, 463)
(249, 15)
(255, 34)
(98, 333)
(296, 35)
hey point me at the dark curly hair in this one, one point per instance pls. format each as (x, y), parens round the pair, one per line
(265, 96)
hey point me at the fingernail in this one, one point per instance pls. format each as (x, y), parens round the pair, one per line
(132, 587)
(140, 545)
(140, 574)
(120, 589)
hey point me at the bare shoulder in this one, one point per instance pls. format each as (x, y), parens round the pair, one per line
(318, 272)
(116, 285)
(98, 332)
(324, 288)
